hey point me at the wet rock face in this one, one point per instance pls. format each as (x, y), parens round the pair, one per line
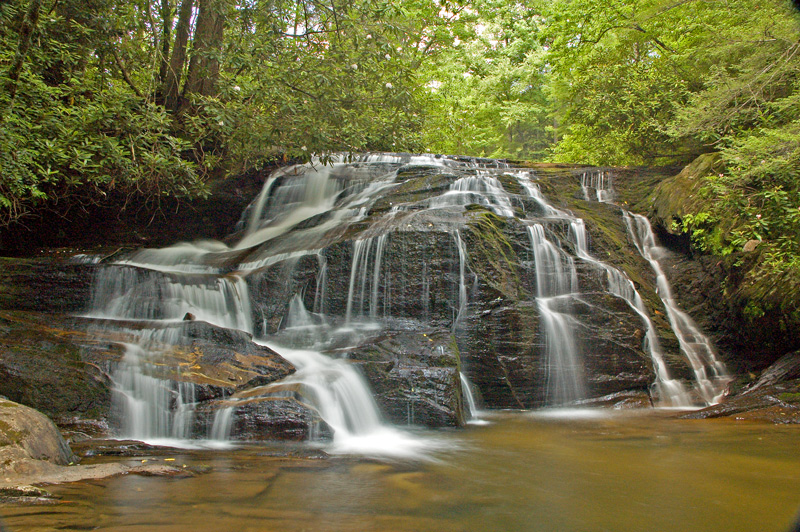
(612, 336)
(49, 363)
(707, 287)
(58, 283)
(414, 377)
(504, 353)
(439, 288)
(271, 418)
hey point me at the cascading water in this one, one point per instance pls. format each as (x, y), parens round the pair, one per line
(710, 373)
(301, 215)
(361, 282)
(187, 282)
(601, 183)
(711, 376)
(668, 392)
(556, 282)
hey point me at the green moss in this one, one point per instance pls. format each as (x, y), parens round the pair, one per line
(673, 198)
(491, 254)
(9, 436)
(790, 397)
(511, 185)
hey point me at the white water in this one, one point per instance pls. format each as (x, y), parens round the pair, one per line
(473, 414)
(462, 281)
(597, 183)
(711, 376)
(148, 404)
(556, 283)
(361, 282)
(184, 281)
(669, 392)
(341, 396)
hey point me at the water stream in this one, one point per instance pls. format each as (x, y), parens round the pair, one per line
(711, 376)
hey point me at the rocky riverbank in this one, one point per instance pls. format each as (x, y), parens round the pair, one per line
(33, 453)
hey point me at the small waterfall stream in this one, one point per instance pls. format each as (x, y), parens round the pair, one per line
(556, 284)
(711, 376)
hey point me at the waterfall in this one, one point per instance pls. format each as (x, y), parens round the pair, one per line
(322, 284)
(361, 282)
(668, 392)
(127, 293)
(472, 413)
(221, 426)
(556, 282)
(600, 182)
(462, 283)
(711, 376)
(710, 373)
(150, 406)
(339, 393)
(482, 189)
(294, 238)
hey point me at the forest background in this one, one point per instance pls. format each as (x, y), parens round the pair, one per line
(158, 99)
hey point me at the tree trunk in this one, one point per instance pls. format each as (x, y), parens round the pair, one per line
(166, 30)
(204, 63)
(25, 34)
(178, 59)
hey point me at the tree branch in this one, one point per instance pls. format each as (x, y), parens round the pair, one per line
(124, 71)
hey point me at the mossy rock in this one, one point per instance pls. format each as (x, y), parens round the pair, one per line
(75, 382)
(682, 194)
(26, 434)
(492, 254)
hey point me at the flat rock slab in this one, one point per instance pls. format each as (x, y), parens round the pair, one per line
(36, 472)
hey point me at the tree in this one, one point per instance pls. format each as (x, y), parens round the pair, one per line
(487, 92)
(152, 98)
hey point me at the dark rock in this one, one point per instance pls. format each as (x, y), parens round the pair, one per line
(784, 369)
(50, 283)
(76, 381)
(414, 377)
(277, 418)
(774, 397)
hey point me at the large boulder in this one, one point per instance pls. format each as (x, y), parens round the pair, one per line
(76, 381)
(25, 435)
(414, 376)
(773, 397)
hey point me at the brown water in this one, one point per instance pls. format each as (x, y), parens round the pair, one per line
(522, 472)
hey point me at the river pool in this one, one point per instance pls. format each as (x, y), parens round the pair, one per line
(521, 471)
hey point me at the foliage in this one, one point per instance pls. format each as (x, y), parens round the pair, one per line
(119, 95)
(68, 142)
(486, 92)
(749, 109)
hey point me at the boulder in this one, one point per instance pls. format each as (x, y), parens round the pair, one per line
(25, 435)
(277, 418)
(414, 377)
(774, 397)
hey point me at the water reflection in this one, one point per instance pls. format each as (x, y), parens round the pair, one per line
(599, 471)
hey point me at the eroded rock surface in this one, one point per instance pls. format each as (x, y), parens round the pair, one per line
(773, 397)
